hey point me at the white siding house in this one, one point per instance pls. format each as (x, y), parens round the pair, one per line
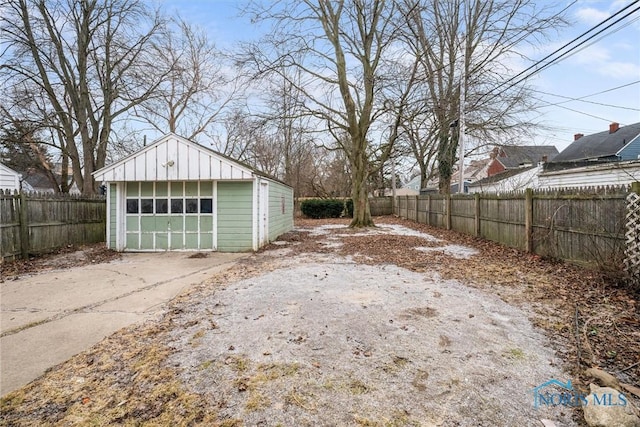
(9, 179)
(602, 174)
(510, 180)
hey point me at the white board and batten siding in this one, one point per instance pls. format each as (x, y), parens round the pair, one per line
(173, 159)
(9, 179)
(614, 174)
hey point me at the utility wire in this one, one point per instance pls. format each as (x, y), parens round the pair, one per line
(569, 99)
(537, 66)
(575, 111)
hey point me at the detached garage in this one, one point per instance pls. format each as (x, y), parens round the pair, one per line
(178, 195)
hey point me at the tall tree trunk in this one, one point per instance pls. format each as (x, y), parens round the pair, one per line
(359, 193)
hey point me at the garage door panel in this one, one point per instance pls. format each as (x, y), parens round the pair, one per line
(132, 241)
(177, 241)
(191, 223)
(132, 223)
(177, 223)
(146, 241)
(191, 241)
(162, 241)
(206, 240)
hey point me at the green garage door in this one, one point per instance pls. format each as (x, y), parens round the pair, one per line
(164, 216)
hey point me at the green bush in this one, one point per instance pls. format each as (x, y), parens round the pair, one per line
(349, 207)
(322, 208)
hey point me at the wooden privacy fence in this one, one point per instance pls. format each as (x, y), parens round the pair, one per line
(32, 223)
(585, 226)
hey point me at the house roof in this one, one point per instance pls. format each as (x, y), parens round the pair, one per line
(6, 169)
(598, 145)
(501, 176)
(515, 156)
(174, 158)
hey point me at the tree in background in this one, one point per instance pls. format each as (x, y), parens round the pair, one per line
(88, 59)
(468, 44)
(196, 90)
(336, 49)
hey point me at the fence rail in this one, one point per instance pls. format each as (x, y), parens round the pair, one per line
(33, 223)
(581, 226)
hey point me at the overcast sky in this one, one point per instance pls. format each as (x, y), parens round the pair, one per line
(611, 62)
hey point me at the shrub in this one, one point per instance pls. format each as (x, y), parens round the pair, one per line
(349, 208)
(322, 208)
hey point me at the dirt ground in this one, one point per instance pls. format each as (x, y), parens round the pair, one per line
(399, 325)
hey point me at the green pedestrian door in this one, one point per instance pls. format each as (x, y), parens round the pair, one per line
(164, 216)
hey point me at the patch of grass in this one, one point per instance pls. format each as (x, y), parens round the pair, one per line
(398, 419)
(365, 422)
(234, 422)
(196, 338)
(238, 363)
(205, 365)
(515, 354)
(257, 401)
(297, 398)
(396, 364)
(356, 386)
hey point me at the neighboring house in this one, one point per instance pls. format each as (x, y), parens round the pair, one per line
(9, 179)
(475, 171)
(401, 192)
(616, 144)
(414, 184)
(605, 158)
(509, 180)
(595, 175)
(514, 157)
(178, 195)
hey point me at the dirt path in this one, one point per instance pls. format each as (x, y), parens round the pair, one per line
(332, 326)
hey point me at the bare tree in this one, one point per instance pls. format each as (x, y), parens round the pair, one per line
(197, 88)
(469, 44)
(89, 59)
(336, 48)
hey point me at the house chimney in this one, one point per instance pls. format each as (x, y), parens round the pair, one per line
(577, 136)
(613, 127)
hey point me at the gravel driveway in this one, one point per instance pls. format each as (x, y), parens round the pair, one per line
(322, 340)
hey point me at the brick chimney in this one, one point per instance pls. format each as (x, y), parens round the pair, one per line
(613, 127)
(577, 136)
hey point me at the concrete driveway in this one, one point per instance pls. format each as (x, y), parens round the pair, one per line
(49, 317)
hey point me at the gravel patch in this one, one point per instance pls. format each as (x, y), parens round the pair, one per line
(456, 251)
(324, 341)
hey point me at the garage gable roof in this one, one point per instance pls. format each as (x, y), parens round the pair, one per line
(173, 158)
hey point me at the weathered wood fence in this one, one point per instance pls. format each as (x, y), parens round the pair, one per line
(32, 223)
(585, 226)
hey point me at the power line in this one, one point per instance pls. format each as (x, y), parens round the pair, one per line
(610, 90)
(537, 68)
(574, 110)
(569, 99)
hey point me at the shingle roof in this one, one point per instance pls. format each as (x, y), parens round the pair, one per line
(528, 154)
(500, 176)
(598, 145)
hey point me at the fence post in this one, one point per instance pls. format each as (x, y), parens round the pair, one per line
(528, 219)
(476, 196)
(447, 211)
(24, 226)
(428, 222)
